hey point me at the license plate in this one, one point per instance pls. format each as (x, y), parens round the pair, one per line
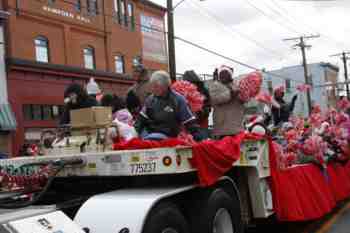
(143, 168)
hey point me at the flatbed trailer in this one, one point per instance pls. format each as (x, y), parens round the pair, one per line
(152, 190)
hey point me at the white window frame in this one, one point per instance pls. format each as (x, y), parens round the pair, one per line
(41, 44)
(119, 64)
(89, 58)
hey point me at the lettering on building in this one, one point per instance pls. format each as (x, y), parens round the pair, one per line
(66, 14)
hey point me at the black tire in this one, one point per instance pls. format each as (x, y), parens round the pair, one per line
(210, 205)
(165, 216)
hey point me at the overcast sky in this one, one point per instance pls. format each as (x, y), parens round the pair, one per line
(252, 31)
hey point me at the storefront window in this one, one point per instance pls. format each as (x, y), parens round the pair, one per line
(47, 112)
(42, 49)
(36, 112)
(41, 112)
(27, 112)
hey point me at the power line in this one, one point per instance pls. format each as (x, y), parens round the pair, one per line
(271, 18)
(211, 15)
(232, 60)
(283, 16)
(199, 47)
(311, 28)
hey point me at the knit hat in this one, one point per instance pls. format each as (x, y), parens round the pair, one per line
(92, 87)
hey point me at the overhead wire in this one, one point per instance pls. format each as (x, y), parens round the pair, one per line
(212, 16)
(193, 44)
(306, 25)
(288, 28)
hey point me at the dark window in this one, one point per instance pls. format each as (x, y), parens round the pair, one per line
(116, 6)
(288, 85)
(119, 64)
(269, 86)
(27, 112)
(56, 111)
(51, 2)
(46, 112)
(131, 16)
(92, 7)
(41, 49)
(89, 58)
(122, 13)
(78, 5)
(36, 112)
(117, 11)
(41, 112)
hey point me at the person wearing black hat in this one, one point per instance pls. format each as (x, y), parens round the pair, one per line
(138, 93)
(75, 97)
(202, 116)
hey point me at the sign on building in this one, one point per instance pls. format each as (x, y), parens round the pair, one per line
(153, 39)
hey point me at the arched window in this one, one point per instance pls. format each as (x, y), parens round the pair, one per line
(89, 58)
(41, 49)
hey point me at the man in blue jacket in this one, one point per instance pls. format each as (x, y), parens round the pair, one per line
(165, 112)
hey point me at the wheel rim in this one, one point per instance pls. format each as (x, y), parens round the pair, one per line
(169, 230)
(222, 222)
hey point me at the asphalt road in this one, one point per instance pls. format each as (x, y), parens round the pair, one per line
(336, 222)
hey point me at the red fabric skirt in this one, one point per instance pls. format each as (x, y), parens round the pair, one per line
(300, 193)
(339, 181)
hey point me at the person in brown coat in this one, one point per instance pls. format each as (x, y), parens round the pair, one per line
(228, 108)
(138, 93)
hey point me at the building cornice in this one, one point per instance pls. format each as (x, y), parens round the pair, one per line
(67, 71)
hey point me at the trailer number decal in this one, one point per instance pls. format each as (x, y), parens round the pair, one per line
(142, 168)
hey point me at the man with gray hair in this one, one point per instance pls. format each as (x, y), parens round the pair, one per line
(165, 111)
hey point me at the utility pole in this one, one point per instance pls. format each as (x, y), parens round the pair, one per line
(171, 41)
(344, 58)
(302, 46)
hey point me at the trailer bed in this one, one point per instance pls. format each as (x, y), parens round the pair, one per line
(112, 163)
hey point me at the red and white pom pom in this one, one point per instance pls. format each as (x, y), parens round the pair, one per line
(192, 95)
(264, 97)
(343, 104)
(303, 87)
(249, 86)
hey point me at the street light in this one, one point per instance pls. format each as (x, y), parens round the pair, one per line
(171, 42)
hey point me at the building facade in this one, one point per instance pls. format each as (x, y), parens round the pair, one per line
(320, 74)
(7, 119)
(52, 43)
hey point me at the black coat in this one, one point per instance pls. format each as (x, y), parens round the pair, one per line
(283, 113)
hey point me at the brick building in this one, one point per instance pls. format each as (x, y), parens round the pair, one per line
(51, 43)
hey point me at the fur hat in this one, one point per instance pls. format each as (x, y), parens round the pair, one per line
(225, 74)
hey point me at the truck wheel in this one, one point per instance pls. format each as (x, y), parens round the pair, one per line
(165, 218)
(217, 213)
